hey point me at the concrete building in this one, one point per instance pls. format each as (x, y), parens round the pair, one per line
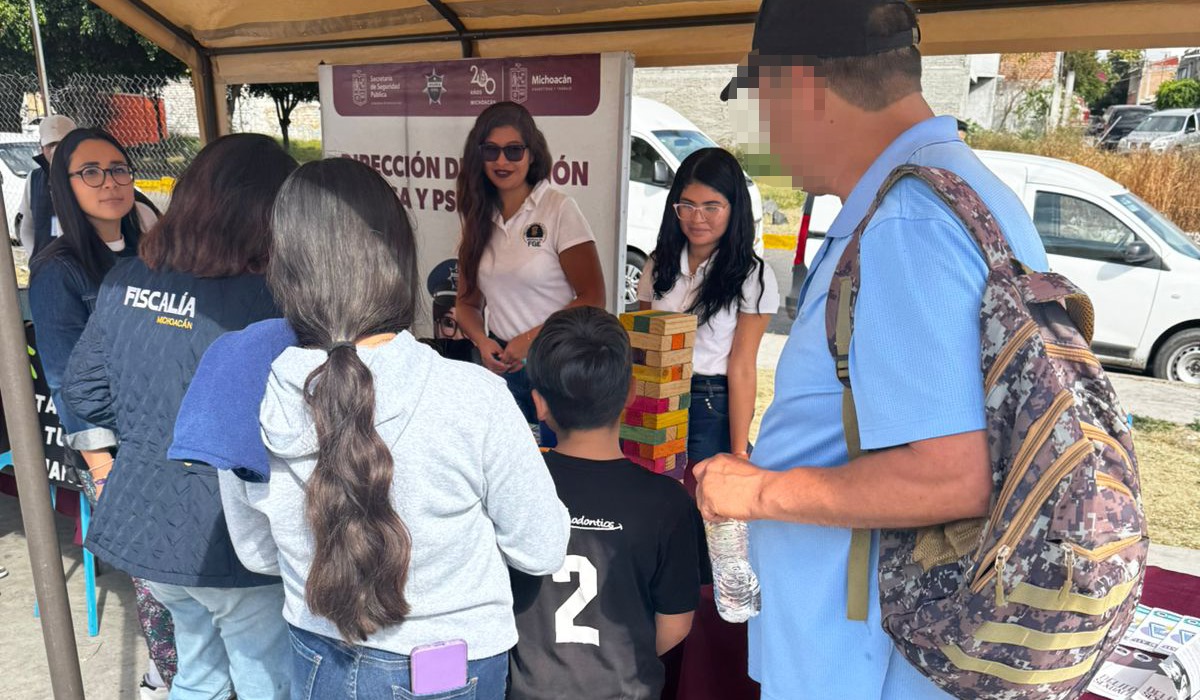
(1189, 66)
(960, 86)
(1145, 80)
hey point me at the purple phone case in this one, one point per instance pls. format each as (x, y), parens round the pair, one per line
(439, 667)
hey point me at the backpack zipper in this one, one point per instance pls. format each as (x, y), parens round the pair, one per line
(1014, 344)
(1112, 482)
(1104, 551)
(1028, 511)
(1066, 352)
(1001, 561)
(1096, 433)
(1038, 432)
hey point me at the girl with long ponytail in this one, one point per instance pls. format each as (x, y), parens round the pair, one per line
(401, 484)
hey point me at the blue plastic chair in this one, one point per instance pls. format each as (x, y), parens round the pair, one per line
(89, 561)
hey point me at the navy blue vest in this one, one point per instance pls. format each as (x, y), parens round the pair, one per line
(41, 208)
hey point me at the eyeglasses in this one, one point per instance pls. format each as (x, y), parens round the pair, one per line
(513, 153)
(691, 211)
(448, 326)
(94, 176)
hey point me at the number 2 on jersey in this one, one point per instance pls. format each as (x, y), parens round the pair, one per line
(565, 629)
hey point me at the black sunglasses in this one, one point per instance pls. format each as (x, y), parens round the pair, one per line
(513, 153)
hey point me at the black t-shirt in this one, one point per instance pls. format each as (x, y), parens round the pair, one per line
(588, 630)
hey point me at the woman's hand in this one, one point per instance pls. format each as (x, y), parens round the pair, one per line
(517, 351)
(492, 355)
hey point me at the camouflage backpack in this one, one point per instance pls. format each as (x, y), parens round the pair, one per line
(1028, 601)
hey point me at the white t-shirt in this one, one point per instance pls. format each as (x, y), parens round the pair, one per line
(520, 274)
(714, 340)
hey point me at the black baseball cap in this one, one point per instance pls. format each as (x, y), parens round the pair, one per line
(786, 29)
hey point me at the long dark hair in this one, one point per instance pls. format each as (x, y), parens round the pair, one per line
(79, 241)
(477, 196)
(219, 221)
(734, 257)
(344, 267)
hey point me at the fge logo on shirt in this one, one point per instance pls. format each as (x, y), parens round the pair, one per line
(163, 303)
(534, 235)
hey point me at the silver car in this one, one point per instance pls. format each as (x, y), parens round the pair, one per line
(1168, 130)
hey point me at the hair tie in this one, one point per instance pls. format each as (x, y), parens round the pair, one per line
(342, 344)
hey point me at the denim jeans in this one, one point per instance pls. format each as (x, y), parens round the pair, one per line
(227, 638)
(330, 668)
(708, 419)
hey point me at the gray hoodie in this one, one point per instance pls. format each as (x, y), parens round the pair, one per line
(469, 482)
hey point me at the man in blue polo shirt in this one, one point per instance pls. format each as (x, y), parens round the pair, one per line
(837, 86)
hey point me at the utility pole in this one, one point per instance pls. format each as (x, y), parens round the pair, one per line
(40, 57)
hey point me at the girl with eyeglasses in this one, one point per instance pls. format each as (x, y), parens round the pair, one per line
(526, 250)
(198, 274)
(101, 221)
(705, 264)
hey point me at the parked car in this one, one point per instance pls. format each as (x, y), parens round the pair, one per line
(662, 138)
(16, 161)
(1168, 130)
(1122, 122)
(1141, 272)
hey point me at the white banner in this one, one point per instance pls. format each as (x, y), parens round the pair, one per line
(410, 122)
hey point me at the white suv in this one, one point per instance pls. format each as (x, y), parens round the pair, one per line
(1141, 272)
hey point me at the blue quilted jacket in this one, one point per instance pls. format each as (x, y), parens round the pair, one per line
(158, 519)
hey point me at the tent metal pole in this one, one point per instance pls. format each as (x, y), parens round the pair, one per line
(40, 58)
(29, 464)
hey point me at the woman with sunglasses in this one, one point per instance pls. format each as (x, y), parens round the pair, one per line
(705, 264)
(526, 250)
(91, 184)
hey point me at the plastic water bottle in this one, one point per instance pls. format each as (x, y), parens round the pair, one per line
(735, 586)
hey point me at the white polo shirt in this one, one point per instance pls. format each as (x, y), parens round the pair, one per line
(520, 275)
(714, 340)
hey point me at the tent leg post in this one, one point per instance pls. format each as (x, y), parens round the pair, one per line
(29, 460)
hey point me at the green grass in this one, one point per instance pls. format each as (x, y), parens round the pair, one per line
(304, 151)
(1152, 425)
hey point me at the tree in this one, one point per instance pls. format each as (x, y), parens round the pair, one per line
(79, 37)
(1090, 74)
(1120, 64)
(1178, 93)
(287, 97)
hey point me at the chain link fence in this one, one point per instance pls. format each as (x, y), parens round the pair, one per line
(154, 118)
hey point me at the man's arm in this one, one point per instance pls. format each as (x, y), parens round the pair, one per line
(927, 482)
(670, 630)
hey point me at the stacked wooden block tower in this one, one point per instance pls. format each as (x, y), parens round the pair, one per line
(654, 427)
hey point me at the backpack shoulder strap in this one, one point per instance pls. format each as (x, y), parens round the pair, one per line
(839, 327)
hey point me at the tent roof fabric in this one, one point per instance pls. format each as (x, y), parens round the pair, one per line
(276, 41)
(273, 41)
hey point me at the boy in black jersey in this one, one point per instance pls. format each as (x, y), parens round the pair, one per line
(631, 579)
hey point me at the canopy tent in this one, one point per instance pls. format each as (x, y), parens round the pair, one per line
(241, 41)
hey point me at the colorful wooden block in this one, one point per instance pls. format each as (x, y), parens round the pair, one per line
(630, 448)
(657, 343)
(662, 375)
(633, 416)
(660, 465)
(650, 436)
(666, 449)
(663, 322)
(647, 404)
(652, 358)
(663, 391)
(627, 321)
(658, 421)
